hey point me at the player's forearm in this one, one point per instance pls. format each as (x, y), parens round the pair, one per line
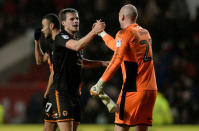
(112, 68)
(50, 82)
(82, 43)
(93, 63)
(86, 40)
(109, 40)
(38, 53)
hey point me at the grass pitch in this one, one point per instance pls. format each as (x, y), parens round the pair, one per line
(90, 127)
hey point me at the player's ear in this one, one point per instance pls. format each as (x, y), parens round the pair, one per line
(51, 26)
(63, 23)
(123, 17)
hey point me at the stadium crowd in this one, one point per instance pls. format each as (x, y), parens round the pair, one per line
(175, 45)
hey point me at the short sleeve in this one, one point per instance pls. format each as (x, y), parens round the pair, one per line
(61, 40)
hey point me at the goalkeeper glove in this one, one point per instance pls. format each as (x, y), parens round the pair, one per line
(37, 33)
(108, 102)
(97, 88)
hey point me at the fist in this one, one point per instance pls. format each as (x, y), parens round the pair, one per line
(37, 33)
(95, 90)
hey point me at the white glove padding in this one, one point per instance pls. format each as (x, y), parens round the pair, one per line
(97, 88)
(110, 104)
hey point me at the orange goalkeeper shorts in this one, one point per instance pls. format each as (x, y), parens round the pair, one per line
(137, 108)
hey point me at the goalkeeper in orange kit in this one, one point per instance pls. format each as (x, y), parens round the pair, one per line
(133, 52)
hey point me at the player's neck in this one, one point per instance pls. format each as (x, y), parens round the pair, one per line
(70, 32)
(127, 23)
(54, 33)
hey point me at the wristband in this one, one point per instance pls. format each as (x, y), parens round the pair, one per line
(100, 83)
(102, 34)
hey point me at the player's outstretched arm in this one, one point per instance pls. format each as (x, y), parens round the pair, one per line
(83, 42)
(119, 53)
(109, 40)
(93, 63)
(113, 65)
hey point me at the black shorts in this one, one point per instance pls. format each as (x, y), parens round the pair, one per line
(65, 108)
(48, 112)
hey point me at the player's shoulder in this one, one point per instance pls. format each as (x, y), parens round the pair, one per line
(134, 28)
(125, 32)
(63, 35)
(139, 30)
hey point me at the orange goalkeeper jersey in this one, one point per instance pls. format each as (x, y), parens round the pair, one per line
(133, 52)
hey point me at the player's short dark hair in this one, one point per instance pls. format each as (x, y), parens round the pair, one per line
(63, 12)
(53, 18)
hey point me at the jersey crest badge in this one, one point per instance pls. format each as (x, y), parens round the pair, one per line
(118, 43)
(65, 113)
(65, 36)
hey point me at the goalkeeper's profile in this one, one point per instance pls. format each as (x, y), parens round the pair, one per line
(133, 53)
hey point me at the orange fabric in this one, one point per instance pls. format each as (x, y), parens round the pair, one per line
(50, 65)
(65, 120)
(57, 101)
(138, 108)
(50, 120)
(61, 120)
(132, 44)
(110, 42)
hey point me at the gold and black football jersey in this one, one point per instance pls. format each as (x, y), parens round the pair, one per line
(66, 65)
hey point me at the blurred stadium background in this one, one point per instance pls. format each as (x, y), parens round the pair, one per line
(174, 27)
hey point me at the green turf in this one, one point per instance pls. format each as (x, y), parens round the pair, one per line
(83, 127)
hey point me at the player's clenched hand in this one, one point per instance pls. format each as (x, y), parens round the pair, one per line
(97, 88)
(96, 22)
(37, 33)
(98, 27)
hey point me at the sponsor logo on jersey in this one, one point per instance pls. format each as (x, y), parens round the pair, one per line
(65, 36)
(118, 43)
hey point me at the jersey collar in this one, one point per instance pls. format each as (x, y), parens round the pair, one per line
(134, 25)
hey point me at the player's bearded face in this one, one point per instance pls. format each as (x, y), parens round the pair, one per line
(46, 28)
(72, 22)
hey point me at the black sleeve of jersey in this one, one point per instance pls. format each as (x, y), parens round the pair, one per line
(61, 40)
